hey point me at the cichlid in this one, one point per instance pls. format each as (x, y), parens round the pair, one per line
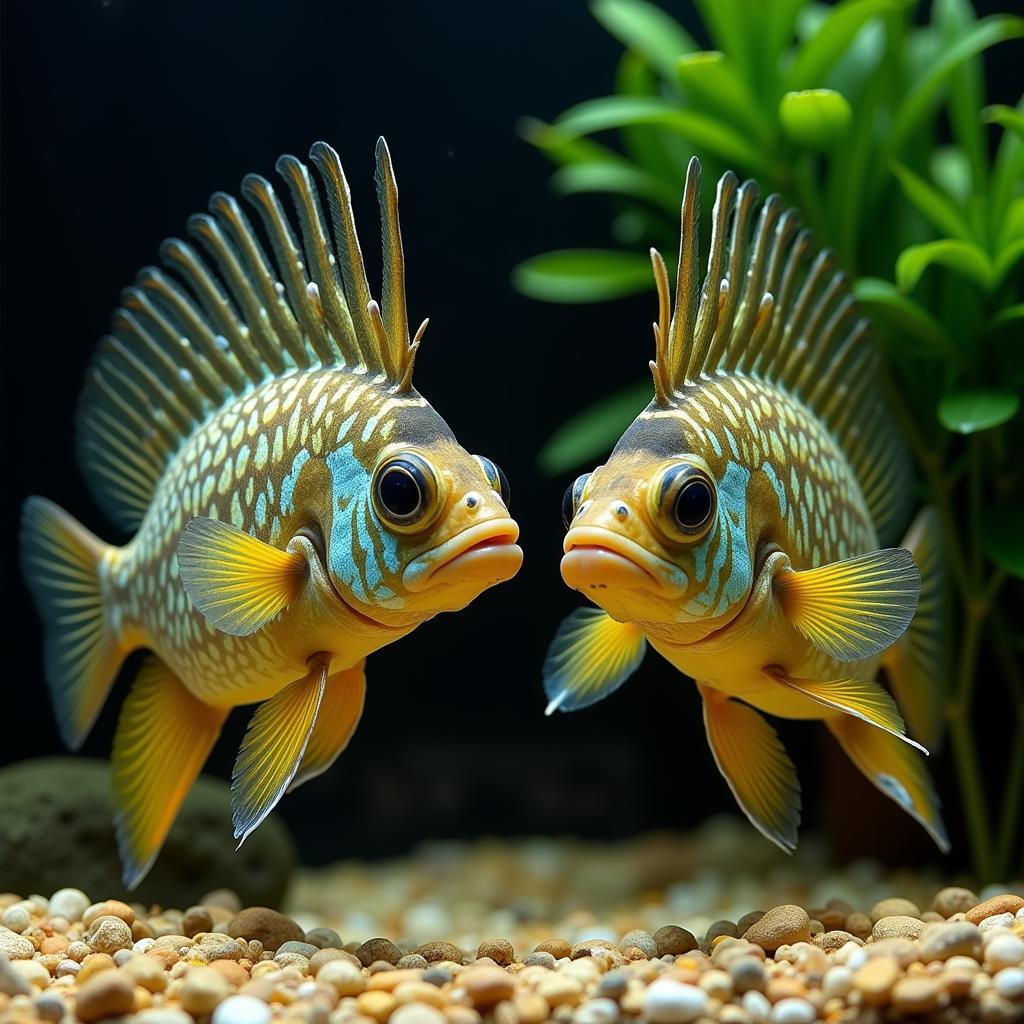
(737, 526)
(297, 505)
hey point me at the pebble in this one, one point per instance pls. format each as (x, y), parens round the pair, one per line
(265, 925)
(16, 917)
(324, 938)
(597, 1011)
(954, 899)
(894, 906)
(433, 952)
(13, 946)
(560, 990)
(417, 1013)
(916, 995)
(1004, 950)
(487, 986)
(499, 950)
(411, 961)
(793, 1010)
(108, 934)
(897, 926)
(374, 950)
(108, 994)
(242, 1009)
(952, 938)
(196, 920)
(202, 990)
(779, 926)
(1007, 903)
(345, 977)
(874, 981)
(1009, 983)
(672, 940)
(673, 1002)
(541, 959)
(69, 903)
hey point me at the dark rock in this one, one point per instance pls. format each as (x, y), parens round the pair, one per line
(266, 926)
(58, 831)
(374, 950)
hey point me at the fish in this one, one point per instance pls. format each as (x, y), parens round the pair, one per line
(739, 525)
(295, 503)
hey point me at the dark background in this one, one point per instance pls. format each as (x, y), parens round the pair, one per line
(120, 119)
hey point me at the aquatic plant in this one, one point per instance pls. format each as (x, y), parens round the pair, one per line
(873, 123)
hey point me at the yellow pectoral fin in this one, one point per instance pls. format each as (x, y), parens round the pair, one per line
(163, 737)
(590, 656)
(861, 698)
(853, 609)
(336, 721)
(273, 748)
(755, 764)
(236, 581)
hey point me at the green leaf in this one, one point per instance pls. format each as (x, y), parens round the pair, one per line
(965, 258)
(591, 433)
(582, 275)
(704, 132)
(951, 171)
(619, 179)
(1007, 174)
(815, 118)
(816, 57)
(1007, 315)
(884, 301)
(932, 204)
(710, 78)
(563, 150)
(1003, 539)
(1007, 259)
(967, 412)
(1001, 114)
(647, 30)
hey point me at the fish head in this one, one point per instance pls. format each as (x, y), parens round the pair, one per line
(418, 525)
(658, 533)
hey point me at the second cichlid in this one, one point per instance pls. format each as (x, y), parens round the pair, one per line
(296, 504)
(739, 527)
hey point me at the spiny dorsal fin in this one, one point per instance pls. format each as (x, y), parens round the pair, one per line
(773, 308)
(233, 315)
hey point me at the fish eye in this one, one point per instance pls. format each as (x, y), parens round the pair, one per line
(405, 493)
(495, 477)
(685, 502)
(571, 498)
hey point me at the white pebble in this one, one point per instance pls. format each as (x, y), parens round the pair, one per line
(597, 1011)
(1020, 914)
(69, 903)
(757, 1005)
(1005, 950)
(1009, 983)
(16, 918)
(241, 1010)
(997, 921)
(32, 971)
(793, 1011)
(837, 982)
(672, 1002)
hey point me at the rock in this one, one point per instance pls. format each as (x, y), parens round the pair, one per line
(162, 1015)
(875, 980)
(672, 940)
(344, 976)
(108, 934)
(11, 982)
(196, 920)
(240, 1009)
(673, 1002)
(69, 903)
(894, 906)
(1007, 903)
(13, 946)
(306, 949)
(51, 1007)
(32, 971)
(433, 952)
(487, 986)
(412, 961)
(916, 995)
(613, 985)
(837, 982)
(558, 948)
(202, 990)
(952, 938)
(780, 926)
(1009, 983)
(831, 941)
(417, 1013)
(374, 950)
(324, 938)
(1004, 951)
(376, 1004)
(108, 908)
(17, 918)
(590, 947)
(266, 926)
(541, 959)
(499, 950)
(597, 1011)
(793, 1010)
(58, 824)
(954, 900)
(897, 927)
(748, 974)
(560, 989)
(858, 924)
(109, 994)
(639, 939)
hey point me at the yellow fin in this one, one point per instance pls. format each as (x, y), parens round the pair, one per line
(336, 721)
(895, 769)
(861, 698)
(591, 656)
(753, 761)
(273, 748)
(163, 737)
(236, 581)
(853, 609)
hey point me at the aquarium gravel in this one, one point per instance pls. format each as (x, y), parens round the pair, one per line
(527, 932)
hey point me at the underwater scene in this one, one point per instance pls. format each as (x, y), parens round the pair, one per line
(512, 513)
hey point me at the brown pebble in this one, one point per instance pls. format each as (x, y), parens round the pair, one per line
(897, 926)
(378, 1005)
(436, 951)
(875, 980)
(499, 950)
(54, 944)
(588, 947)
(234, 973)
(530, 1008)
(894, 906)
(672, 940)
(374, 950)
(203, 990)
(167, 958)
(108, 934)
(747, 921)
(858, 924)
(954, 899)
(323, 956)
(721, 928)
(486, 986)
(462, 1015)
(558, 948)
(196, 920)
(831, 941)
(950, 938)
(94, 963)
(389, 980)
(109, 908)
(147, 972)
(779, 988)
(266, 925)
(411, 961)
(780, 926)
(916, 995)
(109, 994)
(1007, 903)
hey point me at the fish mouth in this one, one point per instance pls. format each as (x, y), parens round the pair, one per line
(484, 554)
(599, 559)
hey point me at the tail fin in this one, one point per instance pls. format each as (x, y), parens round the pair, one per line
(915, 663)
(61, 562)
(895, 768)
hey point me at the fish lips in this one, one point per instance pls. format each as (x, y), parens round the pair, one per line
(599, 559)
(480, 556)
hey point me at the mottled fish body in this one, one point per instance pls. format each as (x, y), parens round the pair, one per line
(296, 504)
(736, 526)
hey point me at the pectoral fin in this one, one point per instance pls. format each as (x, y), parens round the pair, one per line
(336, 721)
(853, 609)
(755, 764)
(861, 698)
(236, 581)
(273, 748)
(591, 656)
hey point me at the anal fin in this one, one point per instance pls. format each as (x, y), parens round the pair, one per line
(164, 735)
(273, 748)
(340, 710)
(754, 763)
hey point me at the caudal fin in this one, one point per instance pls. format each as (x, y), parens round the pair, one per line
(61, 562)
(915, 664)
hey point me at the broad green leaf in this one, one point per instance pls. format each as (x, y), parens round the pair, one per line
(710, 78)
(818, 54)
(1001, 114)
(621, 179)
(727, 25)
(883, 300)
(582, 275)
(932, 204)
(815, 118)
(650, 146)
(698, 129)
(780, 26)
(1003, 538)
(647, 30)
(591, 433)
(965, 258)
(951, 172)
(563, 150)
(1007, 173)
(1007, 315)
(967, 412)
(1007, 259)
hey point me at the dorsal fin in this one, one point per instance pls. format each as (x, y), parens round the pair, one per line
(774, 309)
(235, 314)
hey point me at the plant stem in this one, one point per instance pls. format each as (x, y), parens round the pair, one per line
(1013, 795)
